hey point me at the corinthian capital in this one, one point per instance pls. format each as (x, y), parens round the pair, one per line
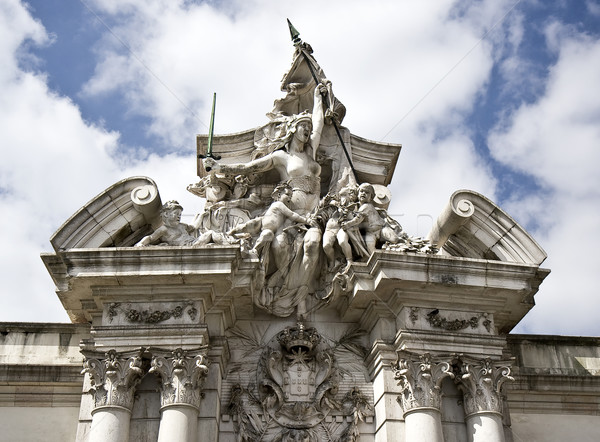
(481, 383)
(182, 377)
(420, 378)
(114, 377)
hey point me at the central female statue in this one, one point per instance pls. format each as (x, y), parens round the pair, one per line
(291, 151)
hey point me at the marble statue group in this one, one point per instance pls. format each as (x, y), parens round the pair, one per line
(304, 228)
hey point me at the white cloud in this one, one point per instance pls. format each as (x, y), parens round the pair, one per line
(52, 163)
(556, 139)
(593, 7)
(383, 60)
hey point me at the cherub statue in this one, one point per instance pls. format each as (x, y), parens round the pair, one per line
(346, 207)
(372, 221)
(173, 232)
(273, 220)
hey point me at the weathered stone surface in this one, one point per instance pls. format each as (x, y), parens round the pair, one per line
(473, 226)
(279, 312)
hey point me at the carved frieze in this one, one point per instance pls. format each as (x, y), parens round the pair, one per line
(114, 377)
(451, 322)
(420, 379)
(151, 315)
(435, 319)
(482, 384)
(182, 376)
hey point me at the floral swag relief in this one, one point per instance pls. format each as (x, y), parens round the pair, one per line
(296, 205)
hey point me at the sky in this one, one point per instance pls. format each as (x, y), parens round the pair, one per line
(497, 96)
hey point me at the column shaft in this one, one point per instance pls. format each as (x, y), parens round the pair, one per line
(110, 424)
(182, 377)
(481, 382)
(424, 425)
(485, 427)
(178, 423)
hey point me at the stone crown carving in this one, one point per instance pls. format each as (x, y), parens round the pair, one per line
(293, 393)
(298, 337)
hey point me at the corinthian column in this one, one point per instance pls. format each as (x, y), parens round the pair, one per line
(113, 380)
(481, 383)
(420, 379)
(182, 377)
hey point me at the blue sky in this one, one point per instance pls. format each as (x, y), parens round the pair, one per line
(500, 97)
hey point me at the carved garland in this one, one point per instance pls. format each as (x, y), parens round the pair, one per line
(436, 320)
(151, 316)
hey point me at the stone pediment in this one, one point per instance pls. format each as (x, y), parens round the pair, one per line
(295, 221)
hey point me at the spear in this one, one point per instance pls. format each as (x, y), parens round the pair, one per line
(297, 43)
(209, 152)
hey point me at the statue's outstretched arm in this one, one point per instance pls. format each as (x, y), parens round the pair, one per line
(318, 118)
(259, 165)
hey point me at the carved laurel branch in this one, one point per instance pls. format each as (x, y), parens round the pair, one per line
(420, 378)
(248, 425)
(357, 406)
(151, 316)
(412, 244)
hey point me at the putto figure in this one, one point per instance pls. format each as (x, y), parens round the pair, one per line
(273, 221)
(371, 221)
(173, 232)
(345, 208)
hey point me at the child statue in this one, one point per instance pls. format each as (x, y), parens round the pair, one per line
(173, 232)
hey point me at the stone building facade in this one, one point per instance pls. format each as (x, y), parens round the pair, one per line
(293, 308)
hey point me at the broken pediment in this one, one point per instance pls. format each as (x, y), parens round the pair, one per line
(374, 161)
(114, 218)
(472, 226)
